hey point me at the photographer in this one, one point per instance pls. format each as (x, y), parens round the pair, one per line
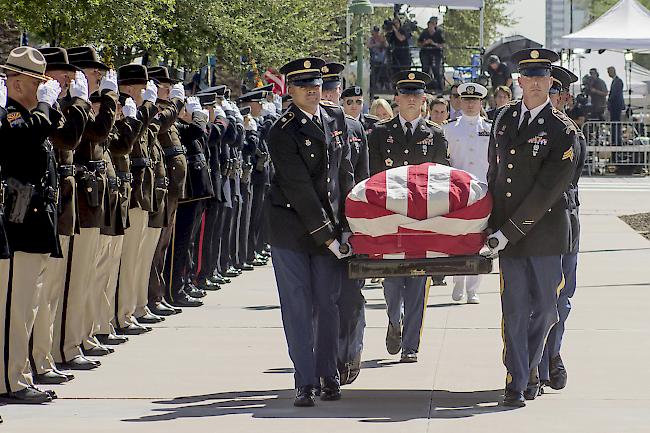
(596, 88)
(431, 42)
(377, 45)
(398, 40)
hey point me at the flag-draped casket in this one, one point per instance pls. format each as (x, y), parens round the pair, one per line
(418, 211)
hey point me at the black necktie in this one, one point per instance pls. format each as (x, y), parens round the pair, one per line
(409, 132)
(317, 122)
(524, 123)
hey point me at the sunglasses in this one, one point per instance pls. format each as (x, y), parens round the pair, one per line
(353, 101)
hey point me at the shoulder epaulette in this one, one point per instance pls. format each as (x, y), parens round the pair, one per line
(371, 117)
(285, 119)
(328, 104)
(432, 123)
(349, 117)
(384, 121)
(570, 126)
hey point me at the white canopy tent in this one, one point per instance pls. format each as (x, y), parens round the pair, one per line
(626, 26)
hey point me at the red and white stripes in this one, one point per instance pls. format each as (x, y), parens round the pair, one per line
(426, 210)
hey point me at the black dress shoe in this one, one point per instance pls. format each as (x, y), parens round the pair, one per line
(393, 339)
(245, 267)
(81, 363)
(167, 304)
(70, 376)
(27, 395)
(160, 310)
(557, 373)
(330, 389)
(513, 398)
(50, 378)
(150, 319)
(133, 329)
(185, 300)
(259, 262)
(232, 272)
(409, 357)
(304, 396)
(218, 279)
(49, 392)
(97, 351)
(195, 292)
(532, 390)
(110, 339)
(209, 285)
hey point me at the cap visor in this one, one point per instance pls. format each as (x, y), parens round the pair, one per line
(330, 85)
(29, 74)
(411, 91)
(309, 82)
(535, 72)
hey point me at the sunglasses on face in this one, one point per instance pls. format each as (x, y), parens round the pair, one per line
(353, 101)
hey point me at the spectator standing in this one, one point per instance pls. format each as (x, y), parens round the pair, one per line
(431, 42)
(378, 46)
(597, 91)
(398, 40)
(615, 104)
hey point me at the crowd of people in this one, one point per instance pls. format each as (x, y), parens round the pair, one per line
(124, 201)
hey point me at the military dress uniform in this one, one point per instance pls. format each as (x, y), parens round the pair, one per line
(551, 367)
(29, 169)
(367, 120)
(65, 138)
(469, 139)
(392, 143)
(532, 161)
(313, 175)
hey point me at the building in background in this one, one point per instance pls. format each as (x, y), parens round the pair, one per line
(560, 15)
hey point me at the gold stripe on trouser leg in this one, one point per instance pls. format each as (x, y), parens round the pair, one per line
(130, 266)
(149, 244)
(84, 258)
(95, 302)
(107, 310)
(50, 301)
(557, 295)
(22, 306)
(427, 286)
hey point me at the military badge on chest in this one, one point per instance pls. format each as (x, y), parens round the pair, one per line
(336, 135)
(424, 144)
(537, 141)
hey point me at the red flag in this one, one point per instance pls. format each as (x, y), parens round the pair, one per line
(418, 211)
(274, 77)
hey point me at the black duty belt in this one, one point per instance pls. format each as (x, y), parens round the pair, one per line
(113, 183)
(125, 176)
(99, 167)
(141, 162)
(199, 157)
(174, 151)
(161, 182)
(67, 170)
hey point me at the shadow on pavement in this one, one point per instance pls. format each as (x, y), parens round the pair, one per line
(368, 405)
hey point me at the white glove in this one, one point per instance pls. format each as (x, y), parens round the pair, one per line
(109, 81)
(218, 111)
(492, 252)
(129, 109)
(226, 106)
(151, 92)
(239, 117)
(206, 112)
(177, 91)
(192, 104)
(48, 92)
(335, 248)
(268, 108)
(3, 94)
(250, 124)
(79, 86)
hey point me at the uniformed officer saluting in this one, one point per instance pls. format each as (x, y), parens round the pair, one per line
(532, 161)
(469, 138)
(551, 369)
(313, 175)
(407, 139)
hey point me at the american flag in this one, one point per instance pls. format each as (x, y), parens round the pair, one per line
(418, 211)
(277, 79)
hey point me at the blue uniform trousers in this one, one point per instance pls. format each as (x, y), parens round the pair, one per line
(411, 293)
(529, 290)
(554, 340)
(309, 287)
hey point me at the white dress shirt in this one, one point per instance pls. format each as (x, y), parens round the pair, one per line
(533, 113)
(468, 139)
(414, 123)
(311, 116)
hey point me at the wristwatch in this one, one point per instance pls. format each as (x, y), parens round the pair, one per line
(493, 242)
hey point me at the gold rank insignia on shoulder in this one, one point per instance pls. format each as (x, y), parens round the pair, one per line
(389, 162)
(328, 103)
(286, 119)
(307, 64)
(568, 154)
(13, 116)
(411, 76)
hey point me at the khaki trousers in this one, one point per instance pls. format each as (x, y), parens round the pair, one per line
(129, 279)
(50, 302)
(83, 249)
(149, 244)
(108, 269)
(21, 280)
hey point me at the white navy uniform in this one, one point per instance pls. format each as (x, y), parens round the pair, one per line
(469, 138)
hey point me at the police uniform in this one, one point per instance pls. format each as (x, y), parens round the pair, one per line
(313, 175)
(65, 138)
(469, 139)
(393, 143)
(531, 167)
(31, 227)
(551, 368)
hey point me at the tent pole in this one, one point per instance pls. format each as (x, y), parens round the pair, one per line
(481, 27)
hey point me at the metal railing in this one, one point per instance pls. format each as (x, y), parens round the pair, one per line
(617, 147)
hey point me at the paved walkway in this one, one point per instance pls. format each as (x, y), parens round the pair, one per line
(224, 367)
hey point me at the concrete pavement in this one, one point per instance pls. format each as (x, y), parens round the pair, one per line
(224, 367)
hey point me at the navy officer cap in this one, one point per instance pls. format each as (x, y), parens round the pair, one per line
(255, 95)
(332, 75)
(304, 72)
(352, 92)
(562, 78)
(207, 98)
(220, 90)
(411, 82)
(535, 62)
(472, 91)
